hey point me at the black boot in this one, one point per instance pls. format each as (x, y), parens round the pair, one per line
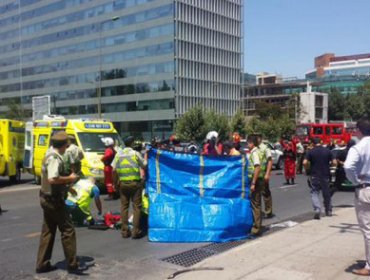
(292, 181)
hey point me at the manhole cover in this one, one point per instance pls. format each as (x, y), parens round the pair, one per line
(191, 257)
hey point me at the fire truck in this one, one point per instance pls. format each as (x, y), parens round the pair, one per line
(327, 132)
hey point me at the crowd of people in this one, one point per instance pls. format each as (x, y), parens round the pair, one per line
(65, 195)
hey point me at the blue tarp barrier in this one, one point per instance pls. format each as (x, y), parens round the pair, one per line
(196, 198)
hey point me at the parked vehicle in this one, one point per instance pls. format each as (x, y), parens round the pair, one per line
(88, 134)
(11, 149)
(277, 155)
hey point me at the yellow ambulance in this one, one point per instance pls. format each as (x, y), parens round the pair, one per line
(88, 133)
(11, 149)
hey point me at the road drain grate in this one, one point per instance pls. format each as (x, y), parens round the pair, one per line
(191, 257)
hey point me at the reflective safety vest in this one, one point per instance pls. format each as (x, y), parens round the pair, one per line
(83, 198)
(262, 149)
(145, 203)
(128, 168)
(251, 165)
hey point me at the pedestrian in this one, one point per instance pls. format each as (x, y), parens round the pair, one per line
(74, 155)
(54, 188)
(357, 168)
(290, 155)
(266, 167)
(210, 148)
(300, 157)
(229, 149)
(78, 204)
(256, 183)
(107, 159)
(126, 172)
(317, 165)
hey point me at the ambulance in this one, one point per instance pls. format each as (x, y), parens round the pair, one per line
(88, 133)
(11, 149)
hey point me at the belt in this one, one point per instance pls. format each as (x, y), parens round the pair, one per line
(50, 197)
(362, 186)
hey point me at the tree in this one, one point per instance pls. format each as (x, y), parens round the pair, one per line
(191, 125)
(337, 105)
(268, 110)
(217, 122)
(16, 111)
(239, 123)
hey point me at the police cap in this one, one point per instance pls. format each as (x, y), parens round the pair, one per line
(129, 141)
(60, 136)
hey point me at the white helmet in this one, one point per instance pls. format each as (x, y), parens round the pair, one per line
(211, 134)
(108, 141)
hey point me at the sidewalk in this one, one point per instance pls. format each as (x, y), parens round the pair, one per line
(314, 250)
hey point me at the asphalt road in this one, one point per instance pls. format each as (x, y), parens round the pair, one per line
(115, 257)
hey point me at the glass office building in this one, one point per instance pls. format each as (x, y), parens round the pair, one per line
(140, 63)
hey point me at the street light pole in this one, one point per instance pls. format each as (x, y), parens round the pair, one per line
(100, 62)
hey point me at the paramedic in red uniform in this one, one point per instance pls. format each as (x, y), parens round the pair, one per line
(108, 170)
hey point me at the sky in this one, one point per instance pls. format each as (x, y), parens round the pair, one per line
(284, 36)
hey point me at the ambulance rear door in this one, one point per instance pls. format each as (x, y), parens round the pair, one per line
(28, 146)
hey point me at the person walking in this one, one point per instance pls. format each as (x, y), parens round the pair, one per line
(290, 155)
(54, 188)
(256, 183)
(126, 172)
(357, 168)
(266, 167)
(107, 159)
(317, 165)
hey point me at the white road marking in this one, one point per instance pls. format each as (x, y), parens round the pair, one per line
(18, 189)
(287, 187)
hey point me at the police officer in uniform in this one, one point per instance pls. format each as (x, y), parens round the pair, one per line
(266, 167)
(256, 182)
(54, 188)
(126, 172)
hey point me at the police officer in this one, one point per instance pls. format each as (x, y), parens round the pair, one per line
(266, 167)
(54, 188)
(126, 172)
(256, 182)
(73, 155)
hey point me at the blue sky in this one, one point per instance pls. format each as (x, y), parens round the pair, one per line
(284, 36)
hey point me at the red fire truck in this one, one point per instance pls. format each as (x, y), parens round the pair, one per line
(327, 132)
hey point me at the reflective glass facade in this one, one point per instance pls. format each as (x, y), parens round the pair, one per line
(152, 59)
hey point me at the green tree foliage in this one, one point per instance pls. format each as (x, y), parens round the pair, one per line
(271, 121)
(337, 105)
(16, 111)
(191, 126)
(239, 123)
(217, 122)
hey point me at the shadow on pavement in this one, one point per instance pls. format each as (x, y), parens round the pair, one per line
(357, 265)
(343, 206)
(84, 261)
(344, 227)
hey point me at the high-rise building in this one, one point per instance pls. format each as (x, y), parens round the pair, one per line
(344, 73)
(139, 63)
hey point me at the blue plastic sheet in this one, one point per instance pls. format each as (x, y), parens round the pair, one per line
(196, 198)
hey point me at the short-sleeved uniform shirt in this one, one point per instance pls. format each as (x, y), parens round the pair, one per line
(53, 167)
(319, 158)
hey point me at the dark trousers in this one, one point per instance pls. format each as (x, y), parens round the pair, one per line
(131, 191)
(300, 158)
(318, 184)
(256, 201)
(267, 198)
(56, 216)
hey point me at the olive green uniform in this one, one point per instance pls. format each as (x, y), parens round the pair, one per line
(52, 200)
(256, 195)
(265, 157)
